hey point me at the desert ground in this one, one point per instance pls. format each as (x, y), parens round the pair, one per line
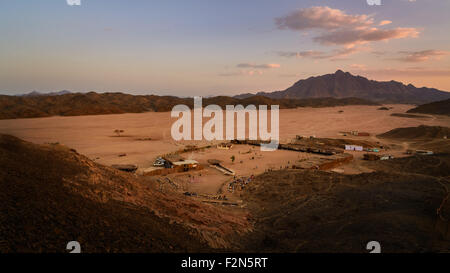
(281, 205)
(147, 135)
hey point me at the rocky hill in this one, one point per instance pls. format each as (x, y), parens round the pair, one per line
(315, 211)
(434, 108)
(343, 84)
(51, 195)
(417, 133)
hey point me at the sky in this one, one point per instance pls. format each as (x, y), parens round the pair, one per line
(218, 47)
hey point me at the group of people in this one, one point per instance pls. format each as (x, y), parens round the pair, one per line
(239, 183)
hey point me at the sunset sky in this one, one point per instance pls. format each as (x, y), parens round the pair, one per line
(211, 47)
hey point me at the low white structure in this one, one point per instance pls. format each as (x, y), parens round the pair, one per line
(354, 148)
(386, 157)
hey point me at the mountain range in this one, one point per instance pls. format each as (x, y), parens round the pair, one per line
(338, 89)
(37, 94)
(77, 104)
(343, 85)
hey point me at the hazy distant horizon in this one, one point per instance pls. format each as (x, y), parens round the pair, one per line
(212, 94)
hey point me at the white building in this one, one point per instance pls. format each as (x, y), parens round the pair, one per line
(353, 148)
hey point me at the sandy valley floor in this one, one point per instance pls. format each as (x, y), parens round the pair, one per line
(147, 135)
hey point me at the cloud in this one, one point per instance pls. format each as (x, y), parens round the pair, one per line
(252, 72)
(422, 56)
(258, 66)
(352, 37)
(336, 27)
(338, 53)
(314, 54)
(385, 22)
(358, 66)
(250, 69)
(242, 73)
(321, 18)
(379, 53)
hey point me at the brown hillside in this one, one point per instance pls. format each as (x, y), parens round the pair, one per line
(51, 195)
(420, 132)
(315, 211)
(76, 104)
(434, 108)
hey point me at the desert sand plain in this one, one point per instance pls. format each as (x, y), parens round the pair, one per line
(147, 135)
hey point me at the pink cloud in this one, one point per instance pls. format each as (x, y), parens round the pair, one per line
(253, 69)
(259, 66)
(313, 54)
(304, 54)
(422, 56)
(335, 27)
(251, 72)
(385, 22)
(358, 66)
(351, 37)
(321, 18)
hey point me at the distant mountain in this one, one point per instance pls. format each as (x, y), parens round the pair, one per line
(436, 108)
(36, 94)
(77, 104)
(343, 84)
